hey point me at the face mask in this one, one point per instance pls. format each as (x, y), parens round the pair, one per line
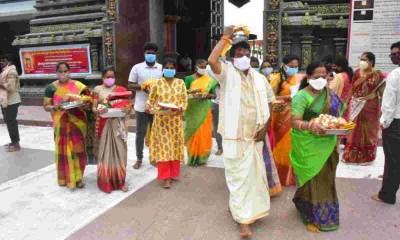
(242, 63)
(364, 65)
(291, 71)
(109, 82)
(267, 71)
(169, 73)
(150, 57)
(201, 71)
(318, 84)
(256, 69)
(63, 77)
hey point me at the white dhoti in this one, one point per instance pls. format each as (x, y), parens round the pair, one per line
(247, 182)
(244, 111)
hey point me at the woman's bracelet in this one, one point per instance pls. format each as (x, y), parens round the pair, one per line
(300, 126)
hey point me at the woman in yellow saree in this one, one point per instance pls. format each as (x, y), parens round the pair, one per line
(198, 130)
(69, 128)
(281, 116)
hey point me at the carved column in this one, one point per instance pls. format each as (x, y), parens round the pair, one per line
(286, 45)
(306, 50)
(340, 47)
(315, 49)
(94, 55)
(272, 31)
(109, 33)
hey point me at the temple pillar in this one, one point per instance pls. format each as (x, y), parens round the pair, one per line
(132, 31)
(315, 49)
(94, 55)
(286, 45)
(340, 46)
(272, 31)
(306, 50)
(170, 23)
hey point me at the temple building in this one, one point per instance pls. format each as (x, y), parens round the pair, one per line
(115, 32)
(311, 29)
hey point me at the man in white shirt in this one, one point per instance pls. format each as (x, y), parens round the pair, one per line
(390, 123)
(245, 105)
(139, 74)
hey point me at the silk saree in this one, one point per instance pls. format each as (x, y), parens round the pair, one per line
(314, 159)
(69, 133)
(198, 116)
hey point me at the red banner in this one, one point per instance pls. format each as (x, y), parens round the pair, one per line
(44, 60)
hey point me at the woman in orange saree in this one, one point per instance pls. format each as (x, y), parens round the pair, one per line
(69, 128)
(363, 140)
(112, 153)
(281, 117)
(198, 130)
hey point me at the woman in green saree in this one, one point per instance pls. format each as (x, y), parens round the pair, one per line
(198, 130)
(314, 156)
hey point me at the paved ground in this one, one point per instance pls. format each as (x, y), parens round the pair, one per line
(34, 207)
(196, 208)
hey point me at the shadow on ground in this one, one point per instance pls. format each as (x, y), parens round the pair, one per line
(197, 208)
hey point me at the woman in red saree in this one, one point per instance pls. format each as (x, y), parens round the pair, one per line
(363, 140)
(281, 117)
(111, 133)
(69, 128)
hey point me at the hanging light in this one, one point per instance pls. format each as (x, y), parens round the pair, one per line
(239, 3)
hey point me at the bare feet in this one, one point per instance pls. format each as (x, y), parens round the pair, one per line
(380, 176)
(167, 183)
(376, 198)
(80, 184)
(174, 180)
(154, 164)
(124, 189)
(219, 152)
(245, 230)
(312, 228)
(137, 164)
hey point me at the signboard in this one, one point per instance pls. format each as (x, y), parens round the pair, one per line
(41, 61)
(374, 27)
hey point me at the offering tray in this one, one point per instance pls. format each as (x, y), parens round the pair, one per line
(337, 132)
(113, 113)
(73, 104)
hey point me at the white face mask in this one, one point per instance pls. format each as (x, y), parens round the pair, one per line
(242, 63)
(201, 71)
(267, 71)
(318, 84)
(364, 65)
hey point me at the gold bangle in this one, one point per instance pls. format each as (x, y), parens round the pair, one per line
(300, 128)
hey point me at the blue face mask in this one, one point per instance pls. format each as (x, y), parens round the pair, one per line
(169, 73)
(291, 71)
(256, 69)
(150, 57)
